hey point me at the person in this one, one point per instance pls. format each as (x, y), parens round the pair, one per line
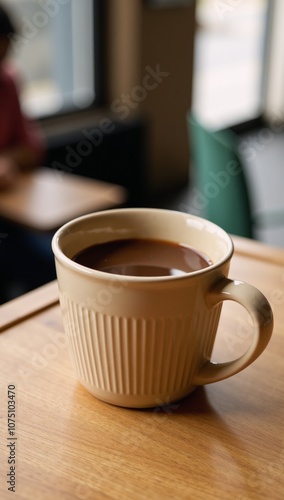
(21, 141)
(26, 259)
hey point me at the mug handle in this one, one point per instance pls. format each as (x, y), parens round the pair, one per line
(259, 309)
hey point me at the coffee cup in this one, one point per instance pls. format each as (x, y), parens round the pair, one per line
(142, 341)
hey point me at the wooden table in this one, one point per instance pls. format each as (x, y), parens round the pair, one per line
(44, 199)
(224, 441)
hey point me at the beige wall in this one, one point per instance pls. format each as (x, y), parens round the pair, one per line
(123, 39)
(167, 41)
(140, 38)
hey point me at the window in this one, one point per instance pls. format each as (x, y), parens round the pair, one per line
(55, 52)
(230, 60)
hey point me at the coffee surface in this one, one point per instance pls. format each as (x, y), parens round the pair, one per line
(142, 257)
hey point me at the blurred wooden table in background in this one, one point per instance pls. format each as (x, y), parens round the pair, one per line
(44, 199)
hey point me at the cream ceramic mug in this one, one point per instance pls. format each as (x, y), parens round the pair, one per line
(143, 341)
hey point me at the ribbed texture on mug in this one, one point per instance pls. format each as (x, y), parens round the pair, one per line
(135, 356)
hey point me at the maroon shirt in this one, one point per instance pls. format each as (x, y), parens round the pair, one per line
(15, 128)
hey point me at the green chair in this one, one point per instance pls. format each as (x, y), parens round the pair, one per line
(220, 188)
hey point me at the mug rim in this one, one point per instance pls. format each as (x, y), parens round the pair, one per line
(71, 264)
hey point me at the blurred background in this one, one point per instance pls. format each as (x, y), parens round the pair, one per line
(59, 43)
(128, 77)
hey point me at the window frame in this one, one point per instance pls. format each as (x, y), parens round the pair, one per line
(98, 69)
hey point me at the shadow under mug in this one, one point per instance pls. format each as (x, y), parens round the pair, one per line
(144, 341)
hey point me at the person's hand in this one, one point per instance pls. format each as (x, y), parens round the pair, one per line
(8, 172)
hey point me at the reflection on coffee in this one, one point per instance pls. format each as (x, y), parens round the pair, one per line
(142, 257)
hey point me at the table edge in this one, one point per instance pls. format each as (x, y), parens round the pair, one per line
(257, 250)
(25, 306)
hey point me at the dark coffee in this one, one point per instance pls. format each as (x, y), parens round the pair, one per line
(142, 257)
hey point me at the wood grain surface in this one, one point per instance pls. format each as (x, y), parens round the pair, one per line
(224, 441)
